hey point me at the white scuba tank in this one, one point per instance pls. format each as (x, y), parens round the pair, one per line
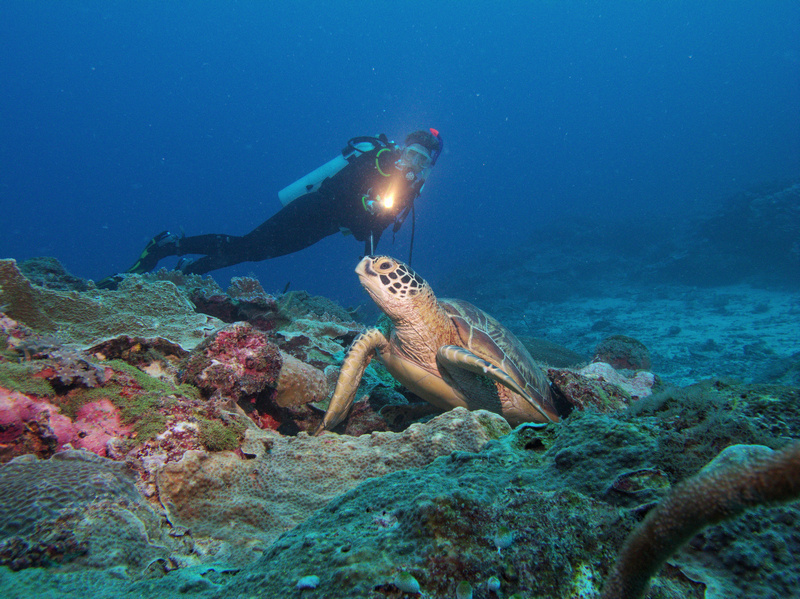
(315, 178)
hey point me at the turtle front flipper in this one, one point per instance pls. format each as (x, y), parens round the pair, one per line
(358, 358)
(453, 356)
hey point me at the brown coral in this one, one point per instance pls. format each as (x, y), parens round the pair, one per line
(299, 383)
(725, 489)
(288, 478)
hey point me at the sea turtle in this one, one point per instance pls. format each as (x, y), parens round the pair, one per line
(446, 351)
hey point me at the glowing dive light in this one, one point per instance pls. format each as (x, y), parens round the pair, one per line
(388, 201)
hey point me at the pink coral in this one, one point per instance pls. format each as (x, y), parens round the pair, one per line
(29, 425)
(97, 423)
(21, 417)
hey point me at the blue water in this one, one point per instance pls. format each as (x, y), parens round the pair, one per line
(121, 119)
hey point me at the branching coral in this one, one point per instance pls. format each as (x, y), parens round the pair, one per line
(710, 497)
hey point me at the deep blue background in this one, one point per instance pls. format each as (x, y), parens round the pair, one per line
(121, 119)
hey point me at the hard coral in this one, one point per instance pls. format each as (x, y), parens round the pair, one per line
(299, 383)
(248, 289)
(245, 301)
(76, 507)
(139, 308)
(67, 368)
(50, 273)
(252, 501)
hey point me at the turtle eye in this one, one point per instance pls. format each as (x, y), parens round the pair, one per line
(385, 265)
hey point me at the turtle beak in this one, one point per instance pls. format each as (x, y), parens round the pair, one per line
(364, 267)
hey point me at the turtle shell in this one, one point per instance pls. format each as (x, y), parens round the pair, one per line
(487, 338)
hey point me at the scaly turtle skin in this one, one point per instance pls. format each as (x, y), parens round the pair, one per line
(447, 351)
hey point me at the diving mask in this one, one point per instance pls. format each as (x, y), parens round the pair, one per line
(415, 157)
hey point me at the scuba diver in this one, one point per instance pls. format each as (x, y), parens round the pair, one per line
(370, 185)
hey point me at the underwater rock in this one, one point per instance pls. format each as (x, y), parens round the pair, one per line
(639, 385)
(314, 329)
(600, 387)
(85, 318)
(754, 233)
(623, 353)
(245, 300)
(317, 342)
(299, 383)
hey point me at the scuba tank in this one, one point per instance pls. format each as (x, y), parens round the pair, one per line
(311, 182)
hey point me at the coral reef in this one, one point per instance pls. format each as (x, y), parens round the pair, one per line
(236, 362)
(49, 273)
(210, 487)
(76, 509)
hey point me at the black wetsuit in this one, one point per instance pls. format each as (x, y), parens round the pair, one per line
(337, 205)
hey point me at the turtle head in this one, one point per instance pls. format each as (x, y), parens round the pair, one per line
(393, 285)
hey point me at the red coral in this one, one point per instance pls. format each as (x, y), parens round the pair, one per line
(237, 362)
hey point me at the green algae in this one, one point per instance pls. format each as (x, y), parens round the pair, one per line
(20, 377)
(141, 398)
(216, 436)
